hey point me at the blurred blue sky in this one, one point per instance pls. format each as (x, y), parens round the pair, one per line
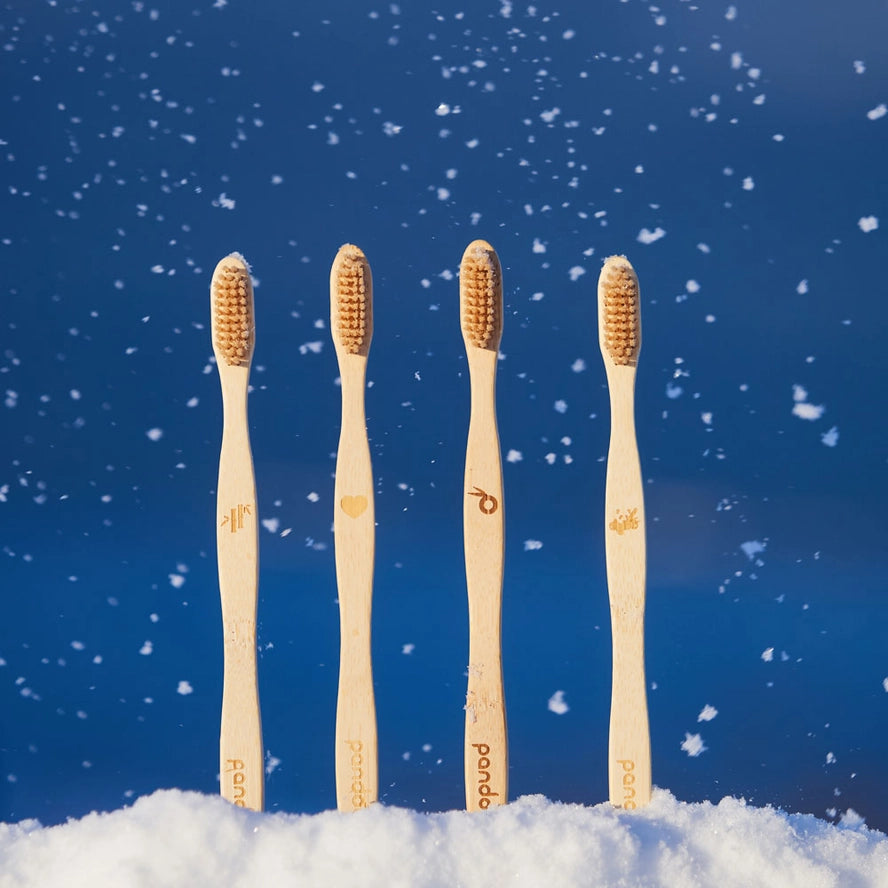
(735, 153)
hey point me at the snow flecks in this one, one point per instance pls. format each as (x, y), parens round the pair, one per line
(831, 437)
(879, 111)
(753, 548)
(768, 655)
(707, 713)
(532, 545)
(514, 456)
(645, 236)
(184, 688)
(693, 745)
(868, 223)
(802, 408)
(154, 434)
(558, 704)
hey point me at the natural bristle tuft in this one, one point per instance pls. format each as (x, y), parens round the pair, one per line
(232, 306)
(619, 311)
(481, 296)
(351, 291)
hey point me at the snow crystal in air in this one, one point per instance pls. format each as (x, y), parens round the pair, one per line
(578, 366)
(154, 434)
(407, 649)
(177, 581)
(768, 655)
(868, 223)
(648, 237)
(557, 703)
(831, 438)
(224, 201)
(560, 406)
(532, 545)
(693, 745)
(184, 688)
(802, 409)
(802, 288)
(748, 184)
(314, 348)
(752, 548)
(271, 524)
(576, 272)
(859, 67)
(877, 112)
(147, 649)
(707, 714)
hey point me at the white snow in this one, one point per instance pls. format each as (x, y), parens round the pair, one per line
(558, 704)
(531, 842)
(868, 223)
(648, 237)
(693, 745)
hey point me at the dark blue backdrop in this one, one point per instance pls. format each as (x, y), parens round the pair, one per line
(734, 152)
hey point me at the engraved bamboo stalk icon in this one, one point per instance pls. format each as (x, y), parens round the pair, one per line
(486, 749)
(351, 321)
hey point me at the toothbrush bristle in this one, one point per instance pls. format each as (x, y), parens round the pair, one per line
(352, 300)
(233, 323)
(481, 295)
(619, 311)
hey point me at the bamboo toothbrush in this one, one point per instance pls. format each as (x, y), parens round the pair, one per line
(481, 316)
(619, 335)
(240, 743)
(351, 323)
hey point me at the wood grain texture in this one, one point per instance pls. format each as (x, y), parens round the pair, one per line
(354, 528)
(241, 757)
(629, 752)
(486, 743)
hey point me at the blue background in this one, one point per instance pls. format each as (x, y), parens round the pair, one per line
(143, 141)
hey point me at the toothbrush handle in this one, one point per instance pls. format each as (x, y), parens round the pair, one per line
(486, 745)
(629, 755)
(241, 759)
(354, 528)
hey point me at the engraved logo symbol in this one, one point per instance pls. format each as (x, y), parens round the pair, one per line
(486, 503)
(235, 517)
(353, 506)
(625, 521)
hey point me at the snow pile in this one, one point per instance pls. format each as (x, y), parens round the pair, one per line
(175, 838)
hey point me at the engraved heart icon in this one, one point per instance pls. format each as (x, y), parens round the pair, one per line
(353, 505)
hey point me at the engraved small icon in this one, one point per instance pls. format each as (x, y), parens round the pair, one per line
(353, 506)
(235, 518)
(486, 503)
(625, 521)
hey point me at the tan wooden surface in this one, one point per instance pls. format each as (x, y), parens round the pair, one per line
(629, 754)
(486, 743)
(241, 758)
(356, 756)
